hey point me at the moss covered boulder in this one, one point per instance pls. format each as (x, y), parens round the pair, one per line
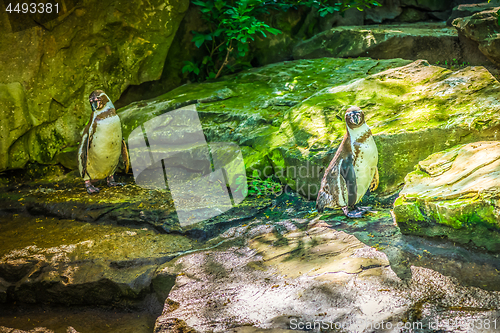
(483, 29)
(454, 193)
(248, 108)
(51, 63)
(413, 111)
(431, 41)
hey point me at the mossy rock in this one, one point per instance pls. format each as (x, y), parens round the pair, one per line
(51, 64)
(413, 111)
(431, 41)
(248, 108)
(454, 193)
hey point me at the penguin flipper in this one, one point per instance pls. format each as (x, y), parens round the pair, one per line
(83, 154)
(375, 181)
(347, 172)
(125, 156)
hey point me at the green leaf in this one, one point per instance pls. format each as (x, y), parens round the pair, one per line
(217, 32)
(200, 3)
(273, 30)
(211, 75)
(198, 39)
(220, 4)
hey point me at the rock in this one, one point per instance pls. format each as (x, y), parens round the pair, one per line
(14, 121)
(4, 329)
(411, 15)
(465, 10)
(454, 193)
(457, 107)
(280, 278)
(51, 63)
(430, 41)
(388, 10)
(482, 28)
(82, 264)
(440, 16)
(248, 108)
(276, 48)
(428, 5)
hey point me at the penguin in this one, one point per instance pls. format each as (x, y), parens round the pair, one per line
(101, 144)
(352, 170)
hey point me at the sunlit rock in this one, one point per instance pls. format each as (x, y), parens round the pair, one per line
(455, 193)
(413, 111)
(431, 41)
(483, 28)
(51, 63)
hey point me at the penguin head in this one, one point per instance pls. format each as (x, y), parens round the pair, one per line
(98, 100)
(354, 117)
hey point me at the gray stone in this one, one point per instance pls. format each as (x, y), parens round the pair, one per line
(50, 64)
(389, 10)
(431, 41)
(483, 29)
(457, 107)
(465, 10)
(454, 193)
(428, 5)
(277, 280)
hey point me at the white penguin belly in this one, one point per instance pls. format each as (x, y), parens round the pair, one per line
(105, 148)
(365, 166)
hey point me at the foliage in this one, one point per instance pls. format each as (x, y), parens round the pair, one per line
(234, 23)
(453, 64)
(498, 14)
(257, 186)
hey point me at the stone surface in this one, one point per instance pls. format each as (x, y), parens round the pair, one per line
(428, 5)
(454, 193)
(429, 41)
(411, 15)
(51, 63)
(483, 29)
(284, 262)
(74, 263)
(284, 275)
(248, 108)
(413, 111)
(469, 9)
(389, 10)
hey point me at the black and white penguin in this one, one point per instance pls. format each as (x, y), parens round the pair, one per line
(353, 168)
(102, 143)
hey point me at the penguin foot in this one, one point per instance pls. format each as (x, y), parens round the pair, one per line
(111, 182)
(91, 189)
(359, 212)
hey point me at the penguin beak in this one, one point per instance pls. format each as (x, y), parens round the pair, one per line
(94, 104)
(356, 119)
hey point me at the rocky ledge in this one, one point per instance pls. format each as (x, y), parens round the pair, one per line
(454, 193)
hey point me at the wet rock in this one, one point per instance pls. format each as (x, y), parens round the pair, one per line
(454, 193)
(279, 280)
(388, 10)
(428, 5)
(483, 29)
(130, 205)
(469, 9)
(68, 262)
(429, 41)
(411, 15)
(457, 107)
(248, 108)
(4, 329)
(51, 63)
